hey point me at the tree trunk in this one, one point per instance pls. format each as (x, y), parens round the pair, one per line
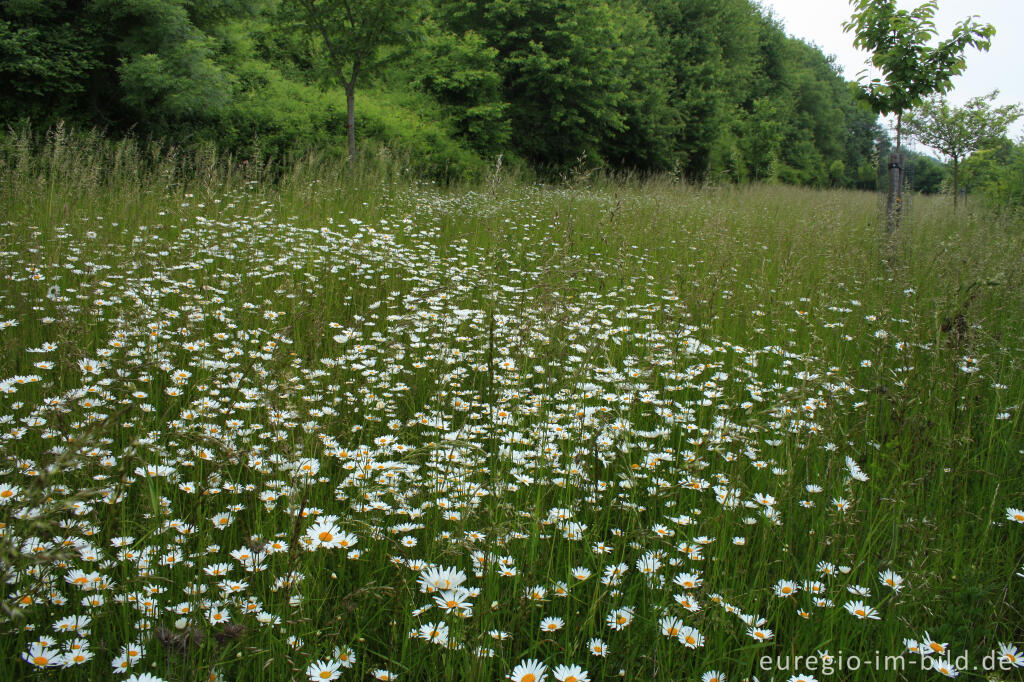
(956, 182)
(894, 204)
(350, 96)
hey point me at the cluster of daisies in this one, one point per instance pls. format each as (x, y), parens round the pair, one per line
(265, 422)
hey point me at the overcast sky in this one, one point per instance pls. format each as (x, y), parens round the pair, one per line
(821, 22)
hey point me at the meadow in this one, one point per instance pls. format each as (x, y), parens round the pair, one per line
(316, 421)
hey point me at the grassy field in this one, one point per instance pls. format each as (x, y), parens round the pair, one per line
(335, 422)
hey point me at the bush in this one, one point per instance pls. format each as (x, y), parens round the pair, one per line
(286, 118)
(412, 124)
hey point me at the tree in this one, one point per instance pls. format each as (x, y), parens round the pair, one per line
(714, 49)
(645, 141)
(115, 63)
(997, 173)
(563, 72)
(350, 36)
(461, 73)
(911, 68)
(957, 132)
(925, 174)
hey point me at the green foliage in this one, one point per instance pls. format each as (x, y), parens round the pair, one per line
(115, 63)
(284, 118)
(44, 63)
(282, 115)
(184, 87)
(461, 73)
(997, 173)
(837, 172)
(649, 119)
(401, 124)
(911, 68)
(349, 37)
(754, 104)
(709, 89)
(562, 73)
(924, 173)
(766, 127)
(715, 51)
(957, 132)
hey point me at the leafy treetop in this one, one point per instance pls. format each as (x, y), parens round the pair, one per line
(957, 132)
(911, 69)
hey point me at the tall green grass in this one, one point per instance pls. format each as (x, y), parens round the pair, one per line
(904, 354)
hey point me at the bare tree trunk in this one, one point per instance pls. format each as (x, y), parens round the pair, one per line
(894, 203)
(350, 96)
(956, 182)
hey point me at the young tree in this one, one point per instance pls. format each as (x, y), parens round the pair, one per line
(911, 69)
(351, 35)
(957, 132)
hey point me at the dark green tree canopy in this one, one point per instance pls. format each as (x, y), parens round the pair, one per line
(114, 62)
(461, 73)
(706, 88)
(562, 71)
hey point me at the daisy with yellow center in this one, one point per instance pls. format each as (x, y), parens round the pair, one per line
(861, 610)
(1010, 654)
(323, 671)
(42, 656)
(930, 646)
(529, 670)
(570, 673)
(670, 626)
(551, 624)
(691, 638)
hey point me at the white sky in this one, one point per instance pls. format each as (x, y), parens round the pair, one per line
(821, 22)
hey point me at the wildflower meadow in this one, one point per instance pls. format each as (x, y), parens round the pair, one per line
(325, 421)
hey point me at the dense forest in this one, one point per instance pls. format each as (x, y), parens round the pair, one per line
(708, 89)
